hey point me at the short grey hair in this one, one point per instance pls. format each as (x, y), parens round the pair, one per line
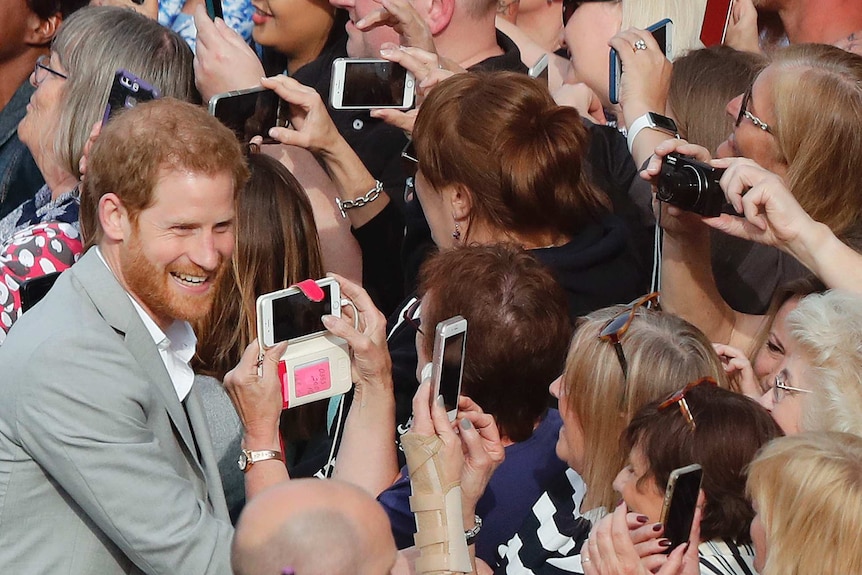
(828, 329)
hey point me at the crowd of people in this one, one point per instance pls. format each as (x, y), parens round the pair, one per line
(619, 332)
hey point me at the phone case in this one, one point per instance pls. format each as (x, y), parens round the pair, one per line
(616, 66)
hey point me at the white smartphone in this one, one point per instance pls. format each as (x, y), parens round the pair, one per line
(540, 69)
(662, 31)
(288, 315)
(447, 365)
(366, 83)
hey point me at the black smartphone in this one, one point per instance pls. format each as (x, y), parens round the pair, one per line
(250, 112)
(34, 289)
(662, 31)
(214, 9)
(680, 501)
(127, 91)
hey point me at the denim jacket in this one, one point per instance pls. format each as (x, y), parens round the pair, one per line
(20, 178)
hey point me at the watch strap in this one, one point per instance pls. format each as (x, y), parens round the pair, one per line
(248, 458)
(644, 122)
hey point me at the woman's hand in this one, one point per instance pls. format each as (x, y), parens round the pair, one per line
(646, 74)
(742, 33)
(223, 60)
(483, 452)
(583, 99)
(256, 395)
(427, 67)
(739, 370)
(401, 16)
(610, 550)
(370, 365)
(772, 216)
(313, 128)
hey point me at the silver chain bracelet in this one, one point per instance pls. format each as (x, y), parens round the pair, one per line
(372, 195)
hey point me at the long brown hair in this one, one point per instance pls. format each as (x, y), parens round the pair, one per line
(276, 246)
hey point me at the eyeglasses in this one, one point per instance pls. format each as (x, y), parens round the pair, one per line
(744, 113)
(617, 327)
(780, 389)
(39, 71)
(411, 315)
(679, 399)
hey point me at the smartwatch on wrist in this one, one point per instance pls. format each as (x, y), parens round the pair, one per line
(652, 121)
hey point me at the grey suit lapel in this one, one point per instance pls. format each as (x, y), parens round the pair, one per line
(113, 303)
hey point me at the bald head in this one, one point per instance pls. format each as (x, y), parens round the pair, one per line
(314, 527)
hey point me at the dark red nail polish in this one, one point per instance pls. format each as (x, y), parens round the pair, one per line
(657, 527)
(642, 518)
(664, 542)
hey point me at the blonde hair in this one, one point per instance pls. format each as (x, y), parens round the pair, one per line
(827, 328)
(817, 97)
(663, 352)
(687, 17)
(807, 489)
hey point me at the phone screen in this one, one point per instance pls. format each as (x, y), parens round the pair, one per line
(34, 289)
(679, 512)
(251, 114)
(715, 18)
(373, 84)
(450, 373)
(295, 315)
(660, 35)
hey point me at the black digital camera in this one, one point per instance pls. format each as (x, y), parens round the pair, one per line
(691, 185)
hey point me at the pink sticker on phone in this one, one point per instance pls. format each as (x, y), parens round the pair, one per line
(312, 377)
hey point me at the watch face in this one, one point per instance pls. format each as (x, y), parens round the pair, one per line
(242, 461)
(663, 122)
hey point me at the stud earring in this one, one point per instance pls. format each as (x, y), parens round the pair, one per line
(456, 235)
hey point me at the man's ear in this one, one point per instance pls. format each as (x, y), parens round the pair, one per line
(440, 15)
(40, 31)
(114, 217)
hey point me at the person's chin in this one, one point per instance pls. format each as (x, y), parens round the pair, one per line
(727, 149)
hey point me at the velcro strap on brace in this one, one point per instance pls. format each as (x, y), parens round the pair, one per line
(439, 523)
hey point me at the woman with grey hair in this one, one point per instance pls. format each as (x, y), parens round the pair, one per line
(819, 386)
(72, 86)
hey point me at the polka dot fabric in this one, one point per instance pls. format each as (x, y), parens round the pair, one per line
(30, 253)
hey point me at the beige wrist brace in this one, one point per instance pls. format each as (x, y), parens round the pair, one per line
(439, 524)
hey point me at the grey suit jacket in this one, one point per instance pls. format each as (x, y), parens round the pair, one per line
(100, 471)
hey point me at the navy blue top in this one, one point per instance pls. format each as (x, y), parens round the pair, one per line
(516, 485)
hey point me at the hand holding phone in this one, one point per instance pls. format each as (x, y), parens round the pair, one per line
(447, 365)
(680, 502)
(316, 364)
(661, 31)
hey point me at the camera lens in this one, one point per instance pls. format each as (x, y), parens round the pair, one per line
(682, 187)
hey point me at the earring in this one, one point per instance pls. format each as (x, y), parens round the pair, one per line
(456, 235)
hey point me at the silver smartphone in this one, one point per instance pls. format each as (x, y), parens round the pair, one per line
(288, 315)
(540, 69)
(447, 364)
(367, 83)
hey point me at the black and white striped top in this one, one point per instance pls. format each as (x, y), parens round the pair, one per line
(550, 539)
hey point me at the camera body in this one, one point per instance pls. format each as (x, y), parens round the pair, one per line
(691, 185)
